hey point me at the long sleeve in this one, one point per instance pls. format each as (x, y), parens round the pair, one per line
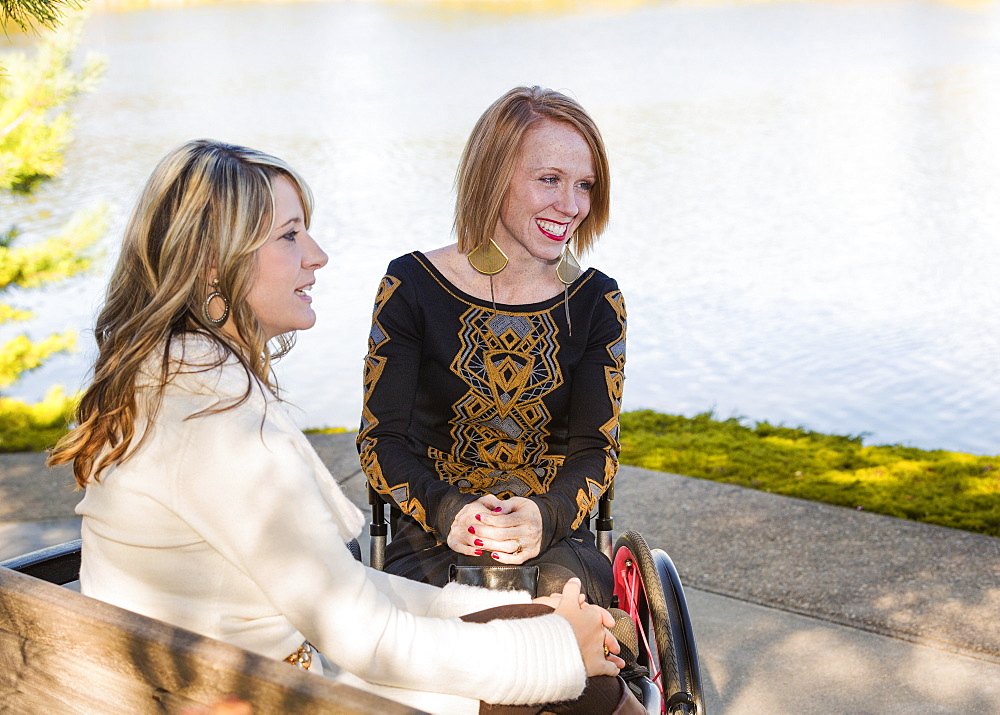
(328, 596)
(391, 379)
(595, 403)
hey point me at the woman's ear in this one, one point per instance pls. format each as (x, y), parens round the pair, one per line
(211, 273)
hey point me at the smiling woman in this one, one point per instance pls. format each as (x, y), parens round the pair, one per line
(547, 199)
(495, 366)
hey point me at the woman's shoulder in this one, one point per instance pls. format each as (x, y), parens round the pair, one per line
(199, 364)
(405, 264)
(423, 277)
(598, 283)
(420, 265)
(197, 348)
(405, 270)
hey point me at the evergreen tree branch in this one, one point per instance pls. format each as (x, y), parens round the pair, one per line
(9, 314)
(47, 13)
(35, 118)
(35, 125)
(64, 255)
(20, 355)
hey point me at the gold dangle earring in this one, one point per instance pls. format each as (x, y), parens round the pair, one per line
(216, 293)
(488, 259)
(568, 270)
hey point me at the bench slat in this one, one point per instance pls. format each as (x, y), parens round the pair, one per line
(63, 652)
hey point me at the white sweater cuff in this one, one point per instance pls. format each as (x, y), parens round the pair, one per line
(553, 670)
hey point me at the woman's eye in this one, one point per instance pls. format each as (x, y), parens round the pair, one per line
(291, 235)
(549, 179)
(585, 186)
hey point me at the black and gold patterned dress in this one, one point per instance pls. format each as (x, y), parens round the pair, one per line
(461, 399)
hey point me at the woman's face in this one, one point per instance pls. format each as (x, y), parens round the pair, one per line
(549, 195)
(286, 265)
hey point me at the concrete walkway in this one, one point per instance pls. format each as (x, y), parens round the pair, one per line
(797, 607)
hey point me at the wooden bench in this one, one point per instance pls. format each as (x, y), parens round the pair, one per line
(62, 652)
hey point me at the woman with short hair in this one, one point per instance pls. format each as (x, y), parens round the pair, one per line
(495, 366)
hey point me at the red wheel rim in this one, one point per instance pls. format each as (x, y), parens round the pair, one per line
(631, 592)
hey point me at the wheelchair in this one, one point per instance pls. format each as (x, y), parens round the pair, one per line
(646, 586)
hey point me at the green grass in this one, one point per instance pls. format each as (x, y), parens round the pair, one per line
(35, 427)
(951, 489)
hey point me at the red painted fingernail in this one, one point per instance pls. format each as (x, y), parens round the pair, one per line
(499, 508)
(478, 542)
(479, 517)
(478, 552)
(494, 555)
(472, 530)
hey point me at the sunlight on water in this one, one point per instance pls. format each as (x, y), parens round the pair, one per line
(804, 221)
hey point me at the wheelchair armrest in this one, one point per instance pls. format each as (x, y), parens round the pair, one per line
(59, 564)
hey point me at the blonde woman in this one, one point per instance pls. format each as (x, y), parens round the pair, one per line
(207, 508)
(496, 365)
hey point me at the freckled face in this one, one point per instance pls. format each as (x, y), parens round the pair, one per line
(286, 265)
(549, 194)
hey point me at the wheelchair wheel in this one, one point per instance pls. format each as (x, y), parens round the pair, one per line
(648, 588)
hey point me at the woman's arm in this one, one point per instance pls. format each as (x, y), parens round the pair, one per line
(392, 372)
(252, 493)
(595, 403)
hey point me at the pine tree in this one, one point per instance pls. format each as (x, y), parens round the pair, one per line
(46, 13)
(35, 122)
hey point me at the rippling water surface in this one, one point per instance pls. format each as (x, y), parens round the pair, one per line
(805, 217)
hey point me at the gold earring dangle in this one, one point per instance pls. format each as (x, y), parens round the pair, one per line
(568, 270)
(488, 259)
(216, 293)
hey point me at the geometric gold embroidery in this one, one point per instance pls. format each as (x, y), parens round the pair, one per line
(373, 367)
(509, 364)
(614, 375)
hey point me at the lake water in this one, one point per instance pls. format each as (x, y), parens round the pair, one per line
(805, 210)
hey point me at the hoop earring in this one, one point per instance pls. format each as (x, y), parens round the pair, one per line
(568, 270)
(488, 259)
(216, 293)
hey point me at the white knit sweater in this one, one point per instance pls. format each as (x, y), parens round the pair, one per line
(228, 524)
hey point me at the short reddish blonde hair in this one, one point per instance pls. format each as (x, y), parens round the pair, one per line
(490, 158)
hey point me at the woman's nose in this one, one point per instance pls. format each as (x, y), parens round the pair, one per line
(314, 257)
(566, 203)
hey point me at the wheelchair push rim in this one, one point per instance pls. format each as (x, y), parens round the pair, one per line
(648, 590)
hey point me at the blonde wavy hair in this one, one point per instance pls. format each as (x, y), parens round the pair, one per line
(205, 210)
(491, 155)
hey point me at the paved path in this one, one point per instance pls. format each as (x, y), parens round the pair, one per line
(797, 607)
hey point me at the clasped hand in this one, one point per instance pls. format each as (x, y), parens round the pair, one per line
(511, 529)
